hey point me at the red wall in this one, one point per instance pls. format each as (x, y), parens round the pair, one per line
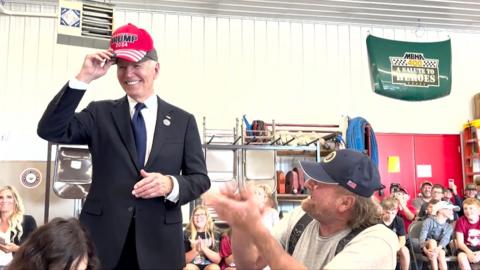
(442, 152)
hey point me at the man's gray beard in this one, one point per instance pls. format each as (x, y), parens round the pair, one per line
(308, 206)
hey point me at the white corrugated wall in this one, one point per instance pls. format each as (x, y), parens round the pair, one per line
(221, 68)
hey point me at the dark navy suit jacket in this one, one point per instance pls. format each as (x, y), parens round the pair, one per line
(108, 209)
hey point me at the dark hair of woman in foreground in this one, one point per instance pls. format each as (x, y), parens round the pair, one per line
(61, 244)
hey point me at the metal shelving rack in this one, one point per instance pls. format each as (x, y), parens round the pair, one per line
(284, 140)
(470, 148)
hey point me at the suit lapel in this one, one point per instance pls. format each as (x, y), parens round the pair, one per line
(121, 118)
(164, 122)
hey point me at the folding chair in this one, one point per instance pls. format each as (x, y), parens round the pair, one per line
(415, 249)
(73, 172)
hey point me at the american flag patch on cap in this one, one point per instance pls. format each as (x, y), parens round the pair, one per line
(351, 184)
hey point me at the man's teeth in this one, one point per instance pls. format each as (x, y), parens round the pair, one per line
(132, 82)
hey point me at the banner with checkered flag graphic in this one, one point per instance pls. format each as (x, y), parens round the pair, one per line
(410, 71)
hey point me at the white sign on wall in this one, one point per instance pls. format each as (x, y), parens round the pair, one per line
(424, 170)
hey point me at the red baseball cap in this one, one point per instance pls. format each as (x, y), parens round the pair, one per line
(426, 183)
(132, 44)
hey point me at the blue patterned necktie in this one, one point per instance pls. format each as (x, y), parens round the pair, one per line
(140, 133)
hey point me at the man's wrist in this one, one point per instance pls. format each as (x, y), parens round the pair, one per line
(170, 186)
(83, 79)
(174, 193)
(75, 83)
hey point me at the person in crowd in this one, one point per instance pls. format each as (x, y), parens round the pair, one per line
(437, 192)
(201, 240)
(470, 191)
(476, 182)
(450, 194)
(405, 208)
(146, 155)
(467, 234)
(436, 234)
(61, 244)
(15, 226)
(270, 215)
(228, 262)
(437, 195)
(429, 211)
(425, 196)
(336, 227)
(396, 224)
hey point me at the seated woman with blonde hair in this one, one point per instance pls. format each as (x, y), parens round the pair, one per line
(15, 227)
(201, 240)
(61, 244)
(270, 215)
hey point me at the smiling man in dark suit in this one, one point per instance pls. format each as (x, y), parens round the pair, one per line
(146, 153)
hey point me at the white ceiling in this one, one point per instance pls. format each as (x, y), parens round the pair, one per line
(440, 14)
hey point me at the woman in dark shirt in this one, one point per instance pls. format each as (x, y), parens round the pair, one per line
(15, 227)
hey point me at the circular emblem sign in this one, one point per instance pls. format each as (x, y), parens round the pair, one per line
(31, 178)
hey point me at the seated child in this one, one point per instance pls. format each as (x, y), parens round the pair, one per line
(396, 224)
(270, 215)
(428, 209)
(436, 233)
(226, 252)
(201, 240)
(467, 232)
(406, 210)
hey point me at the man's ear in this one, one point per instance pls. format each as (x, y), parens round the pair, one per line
(157, 69)
(346, 203)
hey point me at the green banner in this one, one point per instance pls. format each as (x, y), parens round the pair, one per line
(410, 71)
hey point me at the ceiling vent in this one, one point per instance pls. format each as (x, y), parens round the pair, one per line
(85, 24)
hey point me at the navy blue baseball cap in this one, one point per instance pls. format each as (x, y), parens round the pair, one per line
(352, 170)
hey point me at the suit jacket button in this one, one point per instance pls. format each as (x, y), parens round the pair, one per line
(130, 209)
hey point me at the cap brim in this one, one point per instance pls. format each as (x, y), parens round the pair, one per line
(455, 208)
(426, 183)
(315, 171)
(130, 55)
(136, 56)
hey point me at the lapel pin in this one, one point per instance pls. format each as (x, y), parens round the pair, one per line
(166, 122)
